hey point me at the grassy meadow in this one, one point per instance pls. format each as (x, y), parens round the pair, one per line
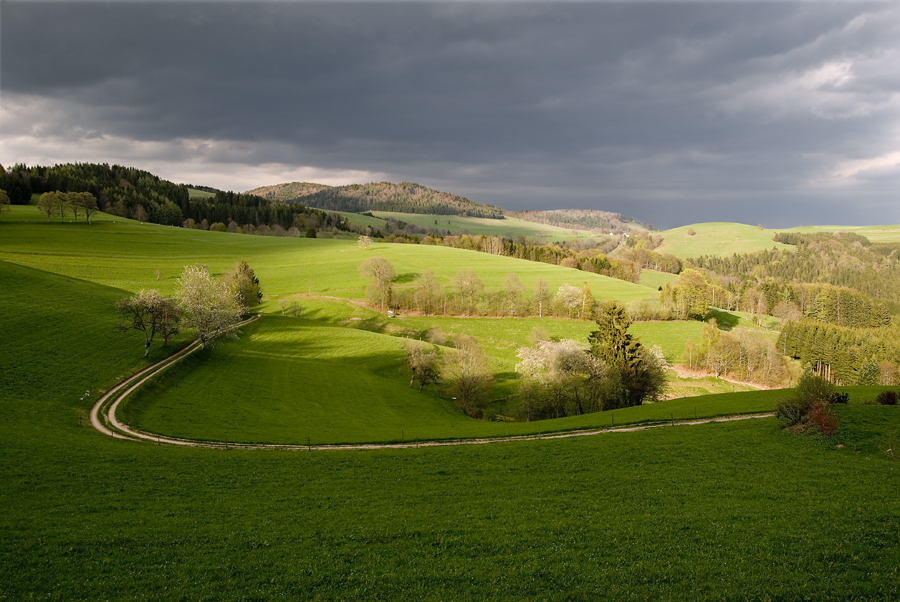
(718, 238)
(723, 511)
(286, 266)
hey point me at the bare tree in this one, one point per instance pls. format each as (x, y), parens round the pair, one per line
(467, 285)
(468, 376)
(512, 293)
(428, 293)
(381, 272)
(540, 296)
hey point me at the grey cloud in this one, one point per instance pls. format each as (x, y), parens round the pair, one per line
(673, 109)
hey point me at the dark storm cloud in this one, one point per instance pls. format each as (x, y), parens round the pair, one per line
(669, 112)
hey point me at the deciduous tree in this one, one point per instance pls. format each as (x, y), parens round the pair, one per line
(423, 363)
(150, 313)
(427, 293)
(243, 283)
(208, 306)
(381, 273)
(540, 296)
(468, 376)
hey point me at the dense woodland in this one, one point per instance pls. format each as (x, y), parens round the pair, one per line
(405, 197)
(140, 195)
(838, 294)
(848, 356)
(842, 260)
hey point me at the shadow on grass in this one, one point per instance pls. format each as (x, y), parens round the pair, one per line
(405, 278)
(725, 320)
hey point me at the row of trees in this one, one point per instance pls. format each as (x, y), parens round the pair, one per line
(209, 306)
(63, 203)
(467, 295)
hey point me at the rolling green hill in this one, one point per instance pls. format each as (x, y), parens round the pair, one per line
(286, 265)
(736, 510)
(723, 239)
(717, 238)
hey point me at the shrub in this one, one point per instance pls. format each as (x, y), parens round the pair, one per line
(789, 411)
(812, 389)
(887, 398)
(840, 398)
(821, 417)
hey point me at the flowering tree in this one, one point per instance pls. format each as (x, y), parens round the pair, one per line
(150, 313)
(207, 304)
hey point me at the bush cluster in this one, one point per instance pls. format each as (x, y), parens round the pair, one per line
(887, 398)
(811, 405)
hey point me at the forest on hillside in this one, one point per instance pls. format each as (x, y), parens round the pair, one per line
(837, 294)
(584, 219)
(405, 197)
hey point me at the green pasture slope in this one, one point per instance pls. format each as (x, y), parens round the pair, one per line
(286, 265)
(722, 511)
(718, 238)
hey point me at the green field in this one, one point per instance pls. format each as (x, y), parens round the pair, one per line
(200, 194)
(717, 238)
(314, 380)
(285, 265)
(724, 511)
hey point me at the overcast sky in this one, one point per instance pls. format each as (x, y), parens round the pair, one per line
(778, 113)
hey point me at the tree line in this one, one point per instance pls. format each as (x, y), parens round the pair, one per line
(844, 355)
(140, 195)
(583, 219)
(63, 203)
(467, 295)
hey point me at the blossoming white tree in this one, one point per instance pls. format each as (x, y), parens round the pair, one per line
(208, 306)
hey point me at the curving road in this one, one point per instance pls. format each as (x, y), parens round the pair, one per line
(103, 418)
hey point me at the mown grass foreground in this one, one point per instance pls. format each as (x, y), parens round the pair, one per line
(728, 511)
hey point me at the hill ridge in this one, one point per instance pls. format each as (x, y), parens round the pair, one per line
(403, 197)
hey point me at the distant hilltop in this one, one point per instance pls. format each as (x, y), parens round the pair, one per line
(405, 197)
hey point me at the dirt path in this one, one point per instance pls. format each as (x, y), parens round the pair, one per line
(103, 418)
(684, 372)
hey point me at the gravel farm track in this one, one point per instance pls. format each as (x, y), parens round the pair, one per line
(103, 418)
